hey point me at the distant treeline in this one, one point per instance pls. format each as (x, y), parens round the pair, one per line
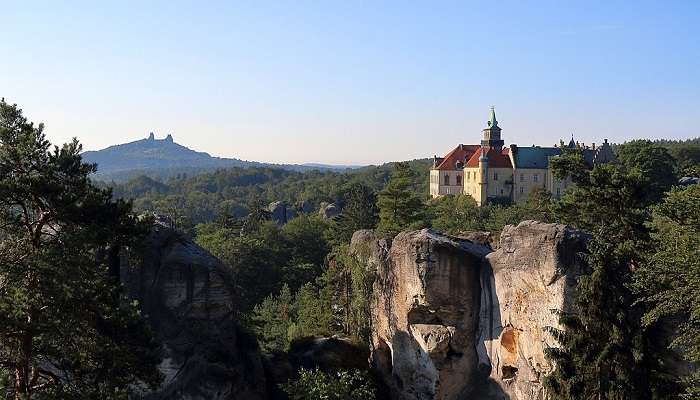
(233, 192)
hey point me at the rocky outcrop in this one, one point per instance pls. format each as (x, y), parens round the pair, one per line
(425, 313)
(278, 212)
(329, 210)
(453, 319)
(305, 207)
(524, 282)
(188, 298)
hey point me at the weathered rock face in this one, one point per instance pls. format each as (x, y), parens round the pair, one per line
(328, 211)
(425, 313)
(305, 207)
(454, 320)
(531, 274)
(278, 212)
(187, 297)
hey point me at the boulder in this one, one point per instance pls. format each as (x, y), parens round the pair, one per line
(305, 207)
(688, 180)
(480, 237)
(329, 210)
(425, 313)
(188, 298)
(278, 212)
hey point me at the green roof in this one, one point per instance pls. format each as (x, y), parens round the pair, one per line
(534, 157)
(538, 157)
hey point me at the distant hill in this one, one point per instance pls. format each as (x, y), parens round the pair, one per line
(163, 158)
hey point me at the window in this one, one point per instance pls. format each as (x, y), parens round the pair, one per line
(521, 190)
(447, 179)
(495, 176)
(522, 177)
(459, 179)
(558, 192)
(501, 192)
(536, 177)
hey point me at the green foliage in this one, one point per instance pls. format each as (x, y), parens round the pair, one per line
(272, 319)
(204, 197)
(456, 214)
(669, 280)
(605, 351)
(348, 285)
(342, 385)
(359, 212)
(338, 303)
(67, 332)
(654, 165)
(281, 319)
(400, 208)
(313, 314)
(686, 154)
(269, 256)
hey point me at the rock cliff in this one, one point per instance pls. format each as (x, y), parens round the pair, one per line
(453, 319)
(523, 283)
(425, 313)
(187, 296)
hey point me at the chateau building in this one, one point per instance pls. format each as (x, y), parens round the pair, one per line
(489, 171)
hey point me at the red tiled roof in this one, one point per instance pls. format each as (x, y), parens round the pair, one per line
(496, 159)
(460, 153)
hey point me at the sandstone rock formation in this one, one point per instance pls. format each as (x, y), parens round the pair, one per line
(425, 314)
(329, 210)
(531, 275)
(305, 206)
(278, 212)
(453, 319)
(187, 296)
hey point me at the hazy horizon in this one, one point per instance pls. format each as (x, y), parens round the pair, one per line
(352, 84)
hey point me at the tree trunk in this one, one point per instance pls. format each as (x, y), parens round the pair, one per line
(23, 390)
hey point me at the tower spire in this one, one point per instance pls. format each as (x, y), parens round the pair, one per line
(492, 132)
(492, 118)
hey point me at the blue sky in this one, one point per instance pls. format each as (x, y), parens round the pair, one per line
(352, 82)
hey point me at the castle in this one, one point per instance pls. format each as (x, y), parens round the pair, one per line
(490, 172)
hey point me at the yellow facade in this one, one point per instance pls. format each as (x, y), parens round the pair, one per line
(445, 182)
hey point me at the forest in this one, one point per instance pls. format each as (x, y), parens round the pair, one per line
(66, 330)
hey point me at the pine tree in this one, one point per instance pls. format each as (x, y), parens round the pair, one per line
(65, 330)
(400, 207)
(605, 351)
(359, 212)
(669, 279)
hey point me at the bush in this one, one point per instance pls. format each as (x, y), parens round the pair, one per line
(342, 385)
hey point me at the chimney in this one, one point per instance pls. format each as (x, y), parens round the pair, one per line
(151, 136)
(169, 138)
(593, 146)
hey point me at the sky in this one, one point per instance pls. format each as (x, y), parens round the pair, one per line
(352, 82)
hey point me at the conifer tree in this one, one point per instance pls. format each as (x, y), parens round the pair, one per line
(605, 352)
(400, 207)
(669, 279)
(359, 212)
(65, 330)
